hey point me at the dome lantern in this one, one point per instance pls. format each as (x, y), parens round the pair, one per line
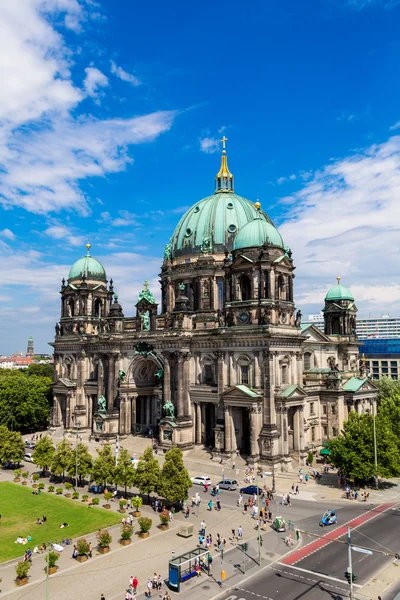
(224, 178)
(87, 268)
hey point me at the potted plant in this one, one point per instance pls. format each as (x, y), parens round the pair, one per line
(126, 534)
(22, 570)
(164, 518)
(41, 486)
(122, 503)
(50, 488)
(68, 487)
(51, 561)
(25, 476)
(96, 501)
(17, 475)
(107, 498)
(75, 495)
(85, 498)
(83, 548)
(59, 491)
(145, 524)
(104, 540)
(137, 503)
(35, 478)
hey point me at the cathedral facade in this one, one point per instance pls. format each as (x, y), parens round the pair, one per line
(225, 361)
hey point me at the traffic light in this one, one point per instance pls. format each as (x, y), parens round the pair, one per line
(353, 577)
(245, 547)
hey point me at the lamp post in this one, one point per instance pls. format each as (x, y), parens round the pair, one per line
(273, 478)
(259, 523)
(78, 424)
(375, 447)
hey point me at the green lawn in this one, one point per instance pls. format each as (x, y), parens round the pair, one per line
(19, 509)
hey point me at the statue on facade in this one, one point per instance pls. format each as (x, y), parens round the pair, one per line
(160, 375)
(168, 251)
(230, 318)
(102, 404)
(57, 329)
(205, 247)
(221, 318)
(169, 410)
(121, 374)
(298, 318)
(266, 316)
(145, 322)
(332, 364)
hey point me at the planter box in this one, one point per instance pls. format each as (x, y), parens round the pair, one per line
(24, 483)
(16, 479)
(144, 534)
(125, 542)
(82, 558)
(122, 510)
(67, 495)
(108, 506)
(104, 550)
(34, 485)
(22, 581)
(52, 570)
(137, 513)
(185, 530)
(163, 527)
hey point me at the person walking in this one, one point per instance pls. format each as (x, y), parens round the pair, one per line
(288, 500)
(102, 597)
(218, 505)
(149, 588)
(240, 532)
(135, 584)
(203, 527)
(297, 490)
(210, 505)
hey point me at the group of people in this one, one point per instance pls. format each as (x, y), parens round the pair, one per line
(75, 552)
(40, 521)
(154, 584)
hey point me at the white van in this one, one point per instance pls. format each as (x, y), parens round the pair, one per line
(28, 457)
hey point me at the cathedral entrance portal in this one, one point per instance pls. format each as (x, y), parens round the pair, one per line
(209, 424)
(143, 387)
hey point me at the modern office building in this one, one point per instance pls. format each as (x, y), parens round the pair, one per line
(382, 357)
(384, 327)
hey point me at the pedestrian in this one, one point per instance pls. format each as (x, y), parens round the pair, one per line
(306, 478)
(218, 505)
(297, 490)
(149, 589)
(159, 582)
(301, 477)
(233, 535)
(283, 499)
(203, 527)
(240, 532)
(269, 515)
(187, 513)
(292, 488)
(102, 597)
(288, 499)
(135, 583)
(90, 553)
(210, 504)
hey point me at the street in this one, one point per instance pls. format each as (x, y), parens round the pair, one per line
(314, 573)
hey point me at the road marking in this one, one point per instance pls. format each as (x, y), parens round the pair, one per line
(314, 573)
(317, 544)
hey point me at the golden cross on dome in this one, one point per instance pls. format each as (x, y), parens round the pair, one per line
(146, 285)
(338, 278)
(223, 141)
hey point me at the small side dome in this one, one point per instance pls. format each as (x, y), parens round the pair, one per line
(257, 232)
(339, 292)
(89, 267)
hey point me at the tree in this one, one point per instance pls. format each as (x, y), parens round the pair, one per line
(12, 447)
(44, 370)
(103, 468)
(24, 401)
(175, 482)
(80, 461)
(43, 453)
(124, 471)
(353, 451)
(147, 474)
(61, 457)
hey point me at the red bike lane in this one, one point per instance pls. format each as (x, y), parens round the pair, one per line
(336, 534)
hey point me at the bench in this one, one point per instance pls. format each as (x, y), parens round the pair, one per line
(188, 575)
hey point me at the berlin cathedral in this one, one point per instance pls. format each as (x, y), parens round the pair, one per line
(225, 361)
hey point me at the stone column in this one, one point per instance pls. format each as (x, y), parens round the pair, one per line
(230, 369)
(254, 426)
(301, 428)
(110, 383)
(285, 436)
(203, 421)
(186, 393)
(296, 429)
(229, 442)
(100, 379)
(220, 372)
(148, 409)
(269, 389)
(133, 409)
(167, 378)
(198, 422)
(257, 371)
(272, 284)
(180, 389)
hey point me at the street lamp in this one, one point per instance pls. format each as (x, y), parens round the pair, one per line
(373, 407)
(78, 424)
(273, 477)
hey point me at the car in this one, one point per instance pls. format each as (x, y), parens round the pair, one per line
(251, 490)
(228, 484)
(28, 457)
(201, 480)
(328, 518)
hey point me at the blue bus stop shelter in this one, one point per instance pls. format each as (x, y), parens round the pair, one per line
(186, 566)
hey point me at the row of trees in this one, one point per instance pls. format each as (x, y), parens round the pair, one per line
(172, 482)
(25, 398)
(353, 451)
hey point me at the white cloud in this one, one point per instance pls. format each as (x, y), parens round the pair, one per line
(361, 4)
(7, 233)
(209, 145)
(121, 74)
(94, 80)
(59, 232)
(346, 221)
(281, 180)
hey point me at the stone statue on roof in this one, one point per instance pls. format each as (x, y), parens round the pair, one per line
(169, 410)
(102, 404)
(146, 293)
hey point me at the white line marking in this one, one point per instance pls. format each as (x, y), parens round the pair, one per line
(311, 573)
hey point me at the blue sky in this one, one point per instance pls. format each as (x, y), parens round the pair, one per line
(110, 116)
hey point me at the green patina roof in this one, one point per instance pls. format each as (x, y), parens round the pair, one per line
(339, 292)
(304, 326)
(88, 266)
(354, 384)
(290, 389)
(211, 224)
(256, 233)
(247, 390)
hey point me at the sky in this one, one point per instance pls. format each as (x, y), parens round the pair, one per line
(110, 119)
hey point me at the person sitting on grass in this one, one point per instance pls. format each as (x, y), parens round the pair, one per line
(39, 522)
(19, 540)
(44, 519)
(42, 547)
(63, 525)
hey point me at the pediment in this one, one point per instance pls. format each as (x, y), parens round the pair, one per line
(283, 260)
(64, 382)
(241, 392)
(241, 260)
(314, 334)
(292, 392)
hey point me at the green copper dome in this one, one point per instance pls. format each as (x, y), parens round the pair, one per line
(88, 266)
(339, 292)
(212, 224)
(256, 233)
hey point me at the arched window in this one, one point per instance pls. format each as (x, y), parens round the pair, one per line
(284, 367)
(71, 308)
(245, 287)
(281, 288)
(244, 374)
(244, 370)
(208, 371)
(307, 361)
(97, 307)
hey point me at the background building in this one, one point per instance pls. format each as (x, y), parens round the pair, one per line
(227, 363)
(385, 327)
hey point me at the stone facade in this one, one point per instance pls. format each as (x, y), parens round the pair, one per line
(227, 352)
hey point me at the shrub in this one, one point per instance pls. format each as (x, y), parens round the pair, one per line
(122, 504)
(164, 517)
(82, 546)
(126, 531)
(68, 486)
(35, 476)
(310, 458)
(104, 538)
(145, 523)
(25, 474)
(41, 486)
(22, 569)
(85, 498)
(96, 501)
(107, 496)
(137, 502)
(50, 488)
(59, 491)
(75, 495)
(17, 473)
(53, 558)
